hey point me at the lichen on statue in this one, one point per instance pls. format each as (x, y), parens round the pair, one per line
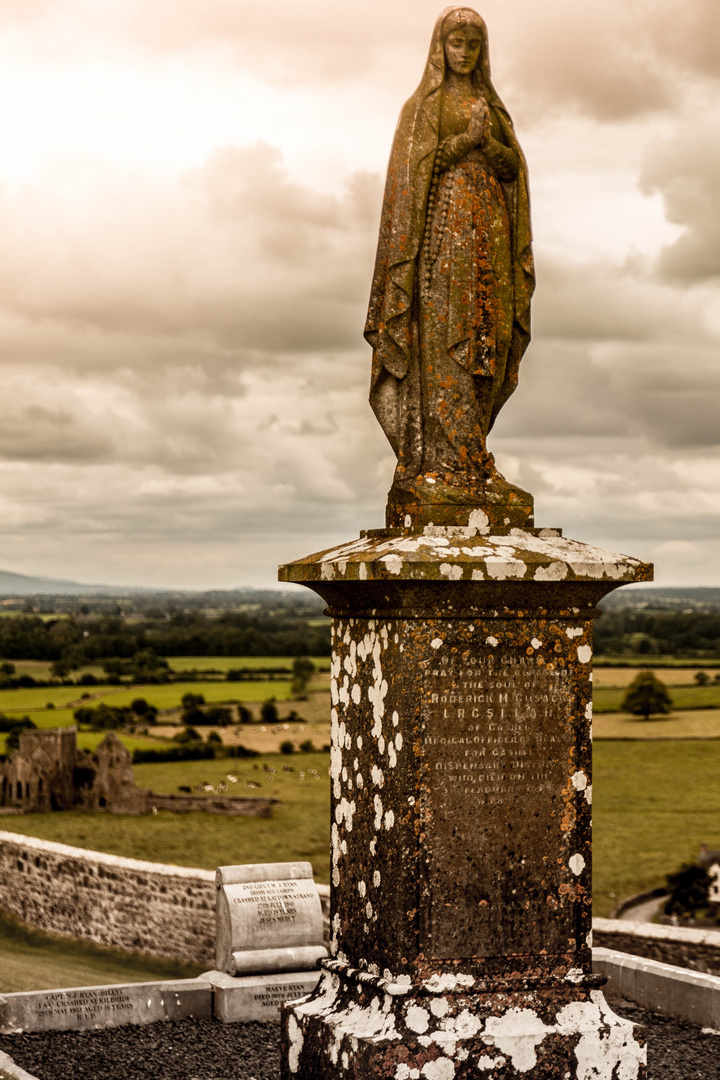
(449, 314)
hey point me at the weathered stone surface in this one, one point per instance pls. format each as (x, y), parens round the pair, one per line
(462, 785)
(257, 997)
(357, 1026)
(470, 555)
(449, 313)
(105, 1006)
(269, 918)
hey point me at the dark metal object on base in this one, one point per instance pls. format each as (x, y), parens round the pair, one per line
(461, 827)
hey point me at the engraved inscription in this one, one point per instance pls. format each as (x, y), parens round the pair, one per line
(497, 739)
(272, 997)
(273, 903)
(85, 1004)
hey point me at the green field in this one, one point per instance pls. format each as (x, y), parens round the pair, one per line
(655, 801)
(672, 676)
(64, 700)
(162, 695)
(684, 697)
(654, 804)
(247, 663)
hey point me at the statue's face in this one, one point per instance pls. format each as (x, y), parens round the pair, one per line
(462, 49)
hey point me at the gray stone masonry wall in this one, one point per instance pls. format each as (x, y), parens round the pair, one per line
(129, 904)
(140, 906)
(681, 946)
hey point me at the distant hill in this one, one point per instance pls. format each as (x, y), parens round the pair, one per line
(24, 585)
(685, 600)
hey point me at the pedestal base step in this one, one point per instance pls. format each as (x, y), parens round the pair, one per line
(357, 1030)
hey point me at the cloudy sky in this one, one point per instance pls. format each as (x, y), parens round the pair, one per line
(189, 200)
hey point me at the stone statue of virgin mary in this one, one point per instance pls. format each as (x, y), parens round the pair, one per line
(449, 314)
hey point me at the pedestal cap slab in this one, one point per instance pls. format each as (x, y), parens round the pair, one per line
(466, 554)
(518, 568)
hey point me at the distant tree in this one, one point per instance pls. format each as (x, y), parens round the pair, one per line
(191, 701)
(213, 737)
(646, 695)
(307, 746)
(114, 666)
(12, 739)
(689, 889)
(269, 712)
(303, 670)
(219, 715)
(187, 735)
(139, 706)
(287, 747)
(702, 678)
(7, 669)
(193, 716)
(244, 715)
(59, 669)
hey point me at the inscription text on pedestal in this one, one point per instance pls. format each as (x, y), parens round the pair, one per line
(497, 742)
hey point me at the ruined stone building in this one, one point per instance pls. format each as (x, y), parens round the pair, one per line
(49, 772)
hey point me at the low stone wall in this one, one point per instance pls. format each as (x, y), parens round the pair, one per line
(140, 906)
(129, 904)
(681, 946)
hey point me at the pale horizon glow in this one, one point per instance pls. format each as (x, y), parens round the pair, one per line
(189, 201)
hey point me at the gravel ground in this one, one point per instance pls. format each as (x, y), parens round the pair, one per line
(169, 1050)
(207, 1050)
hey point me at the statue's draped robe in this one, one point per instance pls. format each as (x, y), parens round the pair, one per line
(449, 314)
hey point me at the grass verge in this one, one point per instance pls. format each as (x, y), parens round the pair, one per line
(33, 960)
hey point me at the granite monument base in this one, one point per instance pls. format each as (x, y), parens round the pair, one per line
(461, 772)
(359, 1026)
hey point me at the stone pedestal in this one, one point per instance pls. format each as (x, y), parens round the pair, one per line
(461, 820)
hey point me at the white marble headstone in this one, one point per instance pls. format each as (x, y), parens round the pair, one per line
(269, 919)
